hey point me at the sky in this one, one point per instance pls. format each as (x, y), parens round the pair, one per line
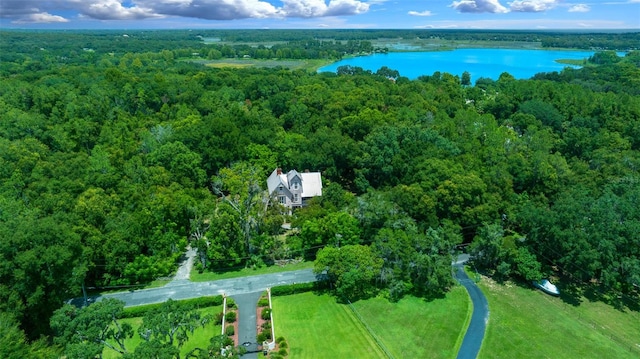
(319, 14)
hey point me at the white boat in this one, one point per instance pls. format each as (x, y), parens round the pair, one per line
(546, 286)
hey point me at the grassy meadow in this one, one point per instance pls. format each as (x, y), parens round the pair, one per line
(315, 326)
(526, 323)
(415, 328)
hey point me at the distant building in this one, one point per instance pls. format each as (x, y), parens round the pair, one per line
(293, 189)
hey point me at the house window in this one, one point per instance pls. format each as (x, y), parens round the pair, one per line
(296, 197)
(282, 199)
(296, 185)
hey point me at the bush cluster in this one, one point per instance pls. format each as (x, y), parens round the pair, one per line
(231, 303)
(263, 302)
(264, 335)
(230, 317)
(229, 330)
(293, 289)
(202, 302)
(266, 314)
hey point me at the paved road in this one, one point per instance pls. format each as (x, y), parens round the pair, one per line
(184, 289)
(475, 333)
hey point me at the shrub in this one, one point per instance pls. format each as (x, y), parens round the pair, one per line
(261, 337)
(266, 325)
(230, 317)
(283, 352)
(283, 344)
(275, 356)
(202, 302)
(218, 317)
(263, 302)
(293, 288)
(231, 303)
(266, 314)
(280, 340)
(229, 331)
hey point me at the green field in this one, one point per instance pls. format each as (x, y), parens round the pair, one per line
(245, 272)
(315, 326)
(199, 338)
(307, 64)
(415, 328)
(526, 323)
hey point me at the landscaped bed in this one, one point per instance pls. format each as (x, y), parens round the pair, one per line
(527, 323)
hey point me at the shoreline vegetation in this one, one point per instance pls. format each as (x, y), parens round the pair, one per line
(382, 45)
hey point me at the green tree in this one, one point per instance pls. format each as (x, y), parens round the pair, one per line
(14, 343)
(171, 324)
(85, 332)
(466, 79)
(353, 270)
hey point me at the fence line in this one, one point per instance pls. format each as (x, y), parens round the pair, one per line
(366, 326)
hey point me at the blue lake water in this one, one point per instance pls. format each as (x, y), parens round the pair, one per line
(521, 64)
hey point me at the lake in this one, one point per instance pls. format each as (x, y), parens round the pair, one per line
(522, 64)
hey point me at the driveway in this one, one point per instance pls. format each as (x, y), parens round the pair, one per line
(475, 333)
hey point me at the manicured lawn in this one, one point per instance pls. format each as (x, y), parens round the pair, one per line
(315, 326)
(244, 272)
(415, 328)
(526, 323)
(199, 338)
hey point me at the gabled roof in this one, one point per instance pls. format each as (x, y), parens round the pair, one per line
(275, 180)
(311, 182)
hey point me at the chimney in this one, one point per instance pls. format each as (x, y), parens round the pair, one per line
(279, 171)
(306, 170)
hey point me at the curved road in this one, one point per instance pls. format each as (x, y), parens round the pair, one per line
(475, 332)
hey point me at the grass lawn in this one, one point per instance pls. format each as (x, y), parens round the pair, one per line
(315, 326)
(526, 323)
(415, 328)
(243, 272)
(199, 338)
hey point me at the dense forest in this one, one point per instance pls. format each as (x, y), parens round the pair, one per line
(112, 162)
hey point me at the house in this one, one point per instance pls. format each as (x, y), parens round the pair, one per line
(293, 189)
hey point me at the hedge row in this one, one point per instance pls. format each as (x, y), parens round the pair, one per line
(295, 288)
(201, 302)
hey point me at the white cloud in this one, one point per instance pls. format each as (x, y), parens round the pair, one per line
(202, 9)
(479, 6)
(113, 10)
(579, 8)
(532, 5)
(527, 24)
(42, 17)
(420, 13)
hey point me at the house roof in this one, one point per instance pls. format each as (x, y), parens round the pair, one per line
(311, 182)
(275, 180)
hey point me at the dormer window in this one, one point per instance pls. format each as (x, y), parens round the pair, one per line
(296, 185)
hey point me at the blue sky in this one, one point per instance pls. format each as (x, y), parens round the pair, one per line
(317, 14)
